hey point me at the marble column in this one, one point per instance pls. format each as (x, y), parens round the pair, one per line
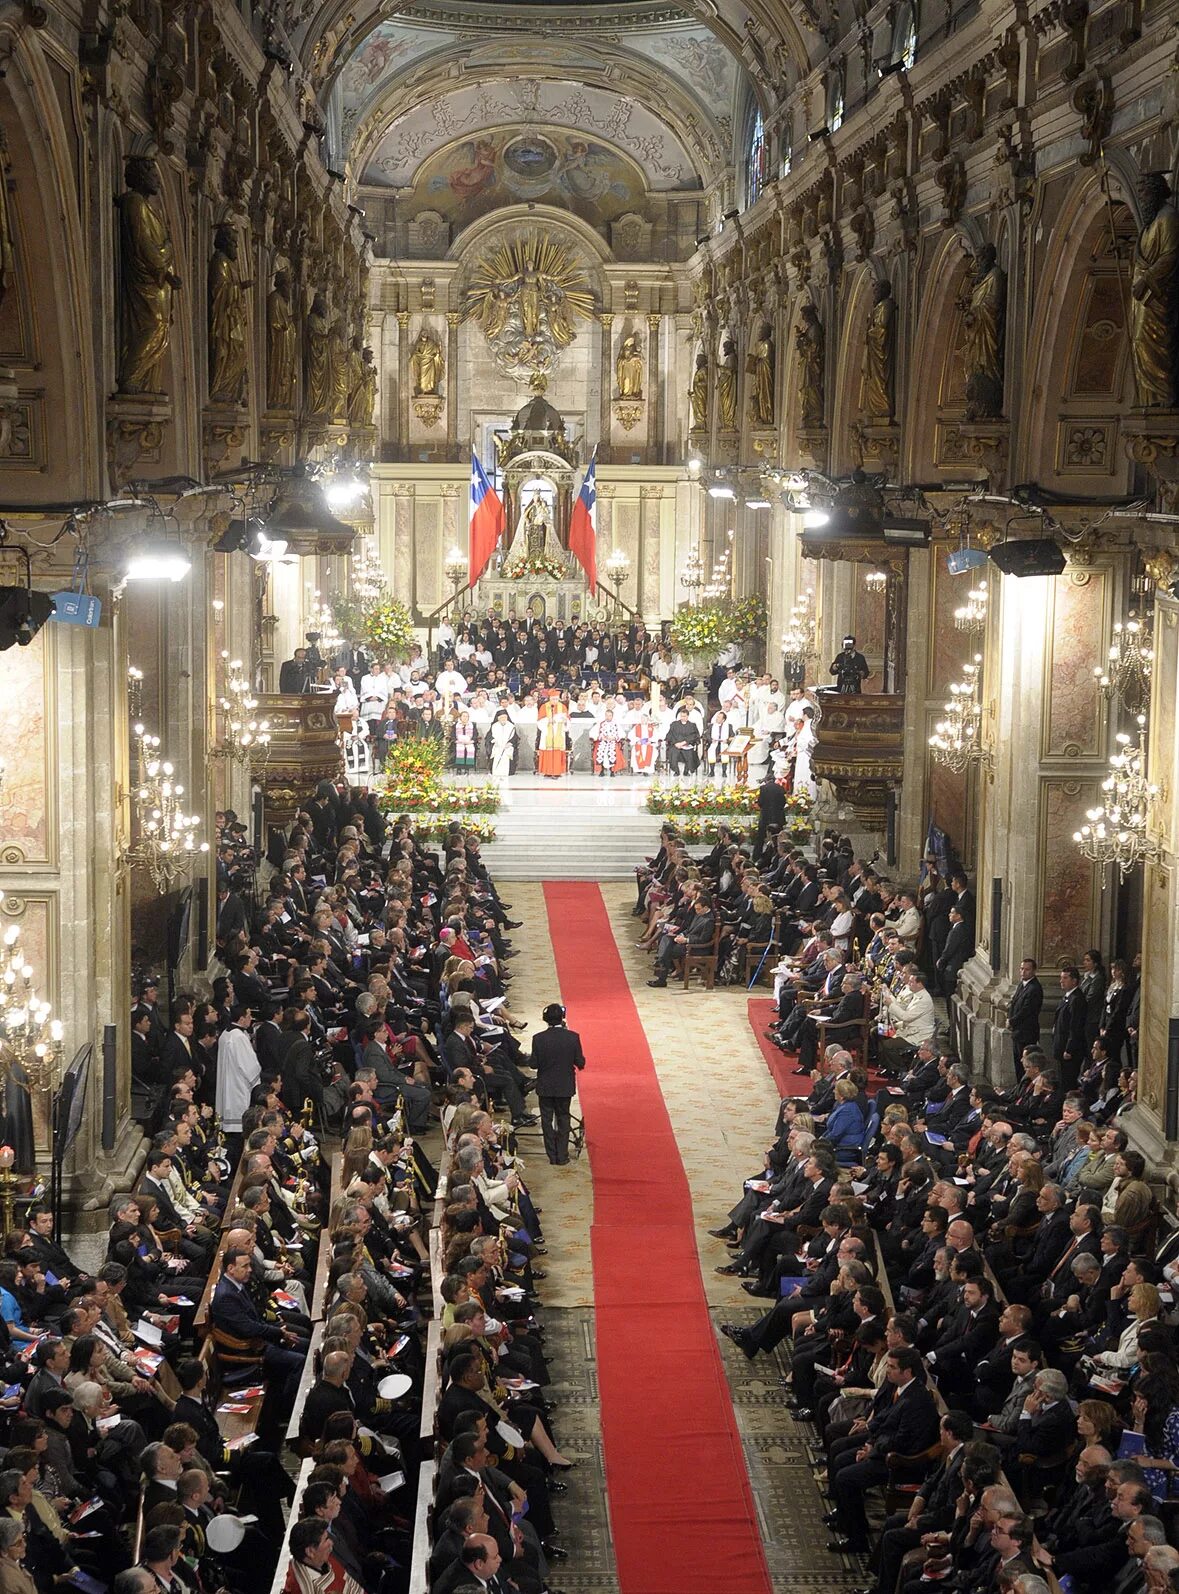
(654, 392)
(606, 323)
(403, 384)
(646, 592)
(453, 320)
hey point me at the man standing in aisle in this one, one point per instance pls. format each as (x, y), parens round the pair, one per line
(556, 1057)
(238, 1071)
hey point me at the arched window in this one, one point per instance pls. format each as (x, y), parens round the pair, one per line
(904, 35)
(835, 98)
(785, 152)
(757, 162)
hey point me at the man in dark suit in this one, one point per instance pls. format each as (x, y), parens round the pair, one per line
(1023, 1010)
(556, 1056)
(841, 1023)
(771, 809)
(294, 674)
(697, 937)
(1052, 1237)
(932, 1510)
(233, 1311)
(965, 1335)
(905, 1420)
(1068, 1028)
(959, 946)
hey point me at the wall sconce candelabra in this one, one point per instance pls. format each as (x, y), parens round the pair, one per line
(1128, 668)
(30, 1037)
(957, 740)
(1117, 833)
(455, 568)
(798, 639)
(366, 578)
(166, 843)
(876, 580)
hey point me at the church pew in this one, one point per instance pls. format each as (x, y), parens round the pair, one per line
(306, 1379)
(284, 1554)
(419, 1578)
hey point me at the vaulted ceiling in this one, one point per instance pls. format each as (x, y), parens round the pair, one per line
(662, 85)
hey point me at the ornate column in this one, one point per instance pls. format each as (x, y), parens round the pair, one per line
(403, 383)
(606, 321)
(453, 319)
(650, 539)
(654, 392)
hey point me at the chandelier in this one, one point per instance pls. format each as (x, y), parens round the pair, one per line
(1116, 833)
(957, 740)
(971, 616)
(365, 575)
(245, 735)
(876, 580)
(798, 637)
(693, 574)
(166, 844)
(30, 1038)
(1128, 667)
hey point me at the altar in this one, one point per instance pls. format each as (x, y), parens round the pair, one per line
(565, 602)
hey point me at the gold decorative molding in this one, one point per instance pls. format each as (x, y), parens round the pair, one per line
(428, 408)
(629, 412)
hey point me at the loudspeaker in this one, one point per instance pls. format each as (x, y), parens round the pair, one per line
(1029, 556)
(996, 923)
(201, 909)
(1171, 1106)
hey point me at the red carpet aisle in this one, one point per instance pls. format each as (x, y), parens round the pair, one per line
(762, 1012)
(681, 1509)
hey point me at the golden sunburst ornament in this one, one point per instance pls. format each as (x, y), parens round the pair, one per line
(527, 295)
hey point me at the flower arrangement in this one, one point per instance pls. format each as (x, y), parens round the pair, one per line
(414, 783)
(667, 797)
(708, 627)
(432, 826)
(543, 565)
(705, 829)
(387, 627)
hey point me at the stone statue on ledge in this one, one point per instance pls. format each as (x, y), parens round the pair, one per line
(984, 319)
(147, 281)
(1154, 294)
(879, 357)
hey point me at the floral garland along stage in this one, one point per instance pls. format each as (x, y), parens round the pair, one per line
(671, 797)
(540, 566)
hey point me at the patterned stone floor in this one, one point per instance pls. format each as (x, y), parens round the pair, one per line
(722, 1105)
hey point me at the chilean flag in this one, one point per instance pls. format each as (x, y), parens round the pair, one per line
(487, 521)
(582, 538)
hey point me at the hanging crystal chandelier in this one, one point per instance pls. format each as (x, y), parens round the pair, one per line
(876, 580)
(366, 578)
(798, 639)
(971, 616)
(30, 1038)
(957, 741)
(1128, 668)
(245, 736)
(692, 576)
(321, 623)
(1117, 832)
(166, 845)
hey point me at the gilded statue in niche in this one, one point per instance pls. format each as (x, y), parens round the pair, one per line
(227, 321)
(426, 364)
(879, 356)
(147, 283)
(338, 368)
(280, 345)
(698, 393)
(761, 378)
(536, 527)
(1154, 294)
(984, 319)
(726, 387)
(810, 345)
(527, 296)
(363, 397)
(628, 368)
(317, 376)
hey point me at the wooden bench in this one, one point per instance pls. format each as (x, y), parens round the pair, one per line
(419, 1567)
(284, 1554)
(307, 1378)
(430, 1386)
(323, 1263)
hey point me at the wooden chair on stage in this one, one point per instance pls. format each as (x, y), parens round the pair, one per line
(704, 961)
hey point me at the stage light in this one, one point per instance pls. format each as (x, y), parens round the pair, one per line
(757, 503)
(721, 490)
(812, 519)
(162, 561)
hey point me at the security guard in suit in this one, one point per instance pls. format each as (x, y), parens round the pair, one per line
(556, 1057)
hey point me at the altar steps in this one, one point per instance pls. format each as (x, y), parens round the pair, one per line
(566, 832)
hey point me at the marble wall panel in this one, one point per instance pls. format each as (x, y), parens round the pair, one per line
(948, 649)
(868, 621)
(1070, 888)
(1158, 978)
(1163, 751)
(1072, 704)
(28, 830)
